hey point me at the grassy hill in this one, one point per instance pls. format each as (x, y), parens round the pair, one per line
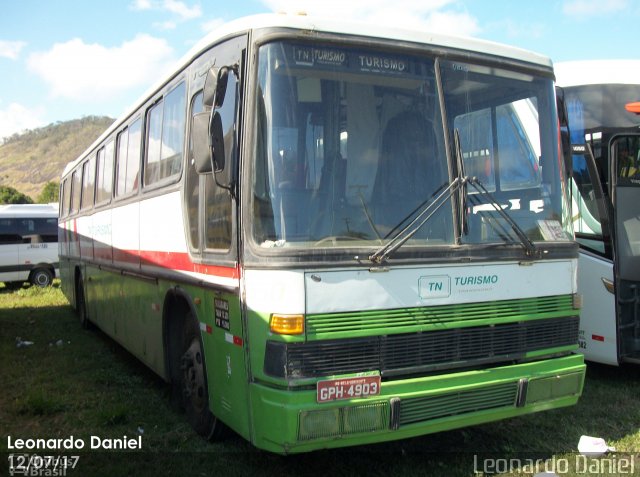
(30, 159)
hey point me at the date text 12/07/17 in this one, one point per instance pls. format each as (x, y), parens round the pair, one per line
(41, 465)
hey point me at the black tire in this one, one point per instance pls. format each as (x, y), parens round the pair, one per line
(81, 304)
(193, 383)
(41, 277)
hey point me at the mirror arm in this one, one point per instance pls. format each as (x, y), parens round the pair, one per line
(231, 188)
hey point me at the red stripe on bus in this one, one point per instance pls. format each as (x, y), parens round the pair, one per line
(102, 252)
(170, 260)
(597, 338)
(126, 256)
(182, 261)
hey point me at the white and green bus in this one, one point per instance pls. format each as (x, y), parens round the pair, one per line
(326, 234)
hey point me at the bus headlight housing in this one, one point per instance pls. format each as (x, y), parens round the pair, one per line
(286, 324)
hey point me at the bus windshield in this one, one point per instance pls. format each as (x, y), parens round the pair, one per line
(351, 148)
(349, 144)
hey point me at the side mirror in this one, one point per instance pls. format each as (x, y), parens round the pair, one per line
(217, 143)
(221, 86)
(200, 141)
(208, 128)
(208, 156)
(209, 91)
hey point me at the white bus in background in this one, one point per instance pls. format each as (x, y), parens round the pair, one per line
(605, 168)
(29, 243)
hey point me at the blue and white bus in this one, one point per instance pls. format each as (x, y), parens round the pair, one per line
(605, 163)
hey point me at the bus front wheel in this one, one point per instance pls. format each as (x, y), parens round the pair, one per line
(194, 384)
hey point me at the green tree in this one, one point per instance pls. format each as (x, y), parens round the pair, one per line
(8, 195)
(49, 193)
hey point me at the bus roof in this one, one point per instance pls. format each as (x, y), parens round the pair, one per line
(579, 73)
(312, 23)
(29, 210)
(319, 24)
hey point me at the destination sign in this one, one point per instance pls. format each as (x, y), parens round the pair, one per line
(380, 63)
(310, 56)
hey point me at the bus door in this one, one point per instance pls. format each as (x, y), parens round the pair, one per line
(625, 196)
(591, 211)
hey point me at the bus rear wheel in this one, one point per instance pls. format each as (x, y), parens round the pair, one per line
(81, 304)
(195, 391)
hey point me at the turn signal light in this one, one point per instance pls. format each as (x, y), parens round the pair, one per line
(287, 324)
(633, 107)
(577, 301)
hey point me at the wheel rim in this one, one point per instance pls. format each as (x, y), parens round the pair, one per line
(194, 385)
(41, 279)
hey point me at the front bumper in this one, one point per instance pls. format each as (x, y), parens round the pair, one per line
(290, 421)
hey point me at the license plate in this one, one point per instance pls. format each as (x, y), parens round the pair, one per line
(348, 388)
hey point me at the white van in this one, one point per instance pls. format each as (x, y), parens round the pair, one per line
(29, 243)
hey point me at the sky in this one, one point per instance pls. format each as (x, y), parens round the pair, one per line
(65, 59)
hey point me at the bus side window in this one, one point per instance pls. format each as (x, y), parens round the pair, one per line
(153, 141)
(218, 207)
(218, 214)
(165, 137)
(104, 173)
(192, 187)
(128, 160)
(587, 221)
(173, 129)
(88, 182)
(217, 201)
(64, 195)
(76, 183)
(121, 162)
(133, 156)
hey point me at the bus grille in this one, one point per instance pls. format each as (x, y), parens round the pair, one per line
(406, 320)
(420, 352)
(451, 404)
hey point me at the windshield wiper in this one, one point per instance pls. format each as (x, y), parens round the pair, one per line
(429, 208)
(530, 249)
(529, 246)
(462, 196)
